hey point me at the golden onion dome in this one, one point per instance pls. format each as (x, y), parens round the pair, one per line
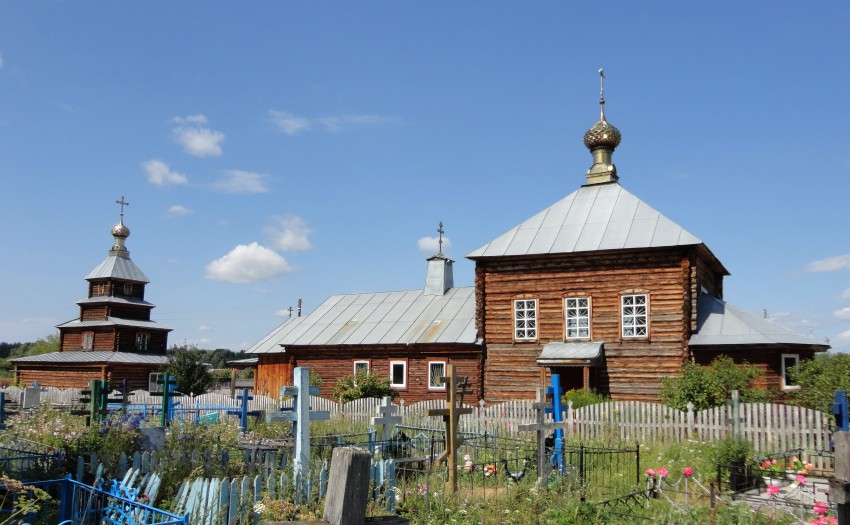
(121, 231)
(602, 135)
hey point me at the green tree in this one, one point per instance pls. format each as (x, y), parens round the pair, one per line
(364, 384)
(819, 378)
(712, 385)
(187, 365)
(44, 345)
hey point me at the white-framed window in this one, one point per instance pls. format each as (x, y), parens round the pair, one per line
(436, 370)
(789, 361)
(361, 367)
(635, 317)
(154, 382)
(525, 319)
(143, 339)
(88, 340)
(398, 374)
(577, 314)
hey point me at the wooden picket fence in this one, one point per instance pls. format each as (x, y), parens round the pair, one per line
(770, 427)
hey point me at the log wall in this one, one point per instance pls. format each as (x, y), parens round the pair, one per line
(273, 371)
(631, 367)
(768, 359)
(334, 362)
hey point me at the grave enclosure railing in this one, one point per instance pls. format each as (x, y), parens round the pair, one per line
(769, 426)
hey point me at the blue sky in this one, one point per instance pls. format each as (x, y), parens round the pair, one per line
(272, 151)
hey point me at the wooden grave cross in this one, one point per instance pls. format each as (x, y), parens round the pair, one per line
(542, 428)
(451, 417)
(386, 418)
(303, 415)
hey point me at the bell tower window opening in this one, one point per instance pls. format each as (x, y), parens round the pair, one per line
(143, 339)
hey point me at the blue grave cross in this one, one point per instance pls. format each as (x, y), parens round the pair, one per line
(557, 410)
(541, 427)
(243, 411)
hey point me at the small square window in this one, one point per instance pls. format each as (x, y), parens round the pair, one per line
(398, 374)
(128, 289)
(436, 370)
(143, 339)
(789, 361)
(360, 367)
(635, 317)
(577, 314)
(525, 319)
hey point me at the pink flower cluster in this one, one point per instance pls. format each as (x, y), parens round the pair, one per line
(821, 510)
(662, 472)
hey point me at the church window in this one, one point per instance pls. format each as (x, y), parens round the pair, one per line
(577, 312)
(128, 289)
(436, 370)
(155, 380)
(525, 319)
(361, 367)
(88, 340)
(635, 316)
(100, 289)
(142, 340)
(789, 361)
(398, 374)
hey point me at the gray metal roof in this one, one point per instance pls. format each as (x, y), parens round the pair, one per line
(117, 266)
(111, 299)
(384, 318)
(557, 352)
(598, 217)
(94, 357)
(114, 321)
(720, 323)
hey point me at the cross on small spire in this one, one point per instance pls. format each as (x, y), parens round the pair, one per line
(441, 232)
(123, 203)
(601, 93)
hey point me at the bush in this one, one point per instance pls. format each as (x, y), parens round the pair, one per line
(712, 385)
(582, 398)
(819, 378)
(364, 384)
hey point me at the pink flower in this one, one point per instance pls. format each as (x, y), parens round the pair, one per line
(688, 472)
(801, 479)
(773, 490)
(663, 472)
(650, 472)
(820, 508)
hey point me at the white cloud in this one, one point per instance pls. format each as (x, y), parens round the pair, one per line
(846, 294)
(195, 139)
(205, 328)
(844, 336)
(282, 313)
(160, 174)
(431, 245)
(178, 211)
(288, 123)
(293, 124)
(241, 182)
(830, 264)
(248, 264)
(843, 314)
(289, 233)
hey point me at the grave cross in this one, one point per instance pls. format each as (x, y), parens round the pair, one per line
(386, 419)
(542, 428)
(451, 417)
(300, 417)
(557, 412)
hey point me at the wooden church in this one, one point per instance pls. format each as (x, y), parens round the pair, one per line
(113, 338)
(599, 287)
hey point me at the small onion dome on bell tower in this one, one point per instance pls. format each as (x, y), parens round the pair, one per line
(602, 139)
(120, 232)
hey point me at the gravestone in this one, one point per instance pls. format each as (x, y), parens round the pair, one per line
(30, 397)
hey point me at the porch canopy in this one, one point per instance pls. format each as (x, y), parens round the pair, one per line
(570, 354)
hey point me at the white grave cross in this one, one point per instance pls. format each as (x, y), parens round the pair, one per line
(386, 419)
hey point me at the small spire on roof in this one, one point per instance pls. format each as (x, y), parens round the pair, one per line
(602, 139)
(120, 232)
(440, 231)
